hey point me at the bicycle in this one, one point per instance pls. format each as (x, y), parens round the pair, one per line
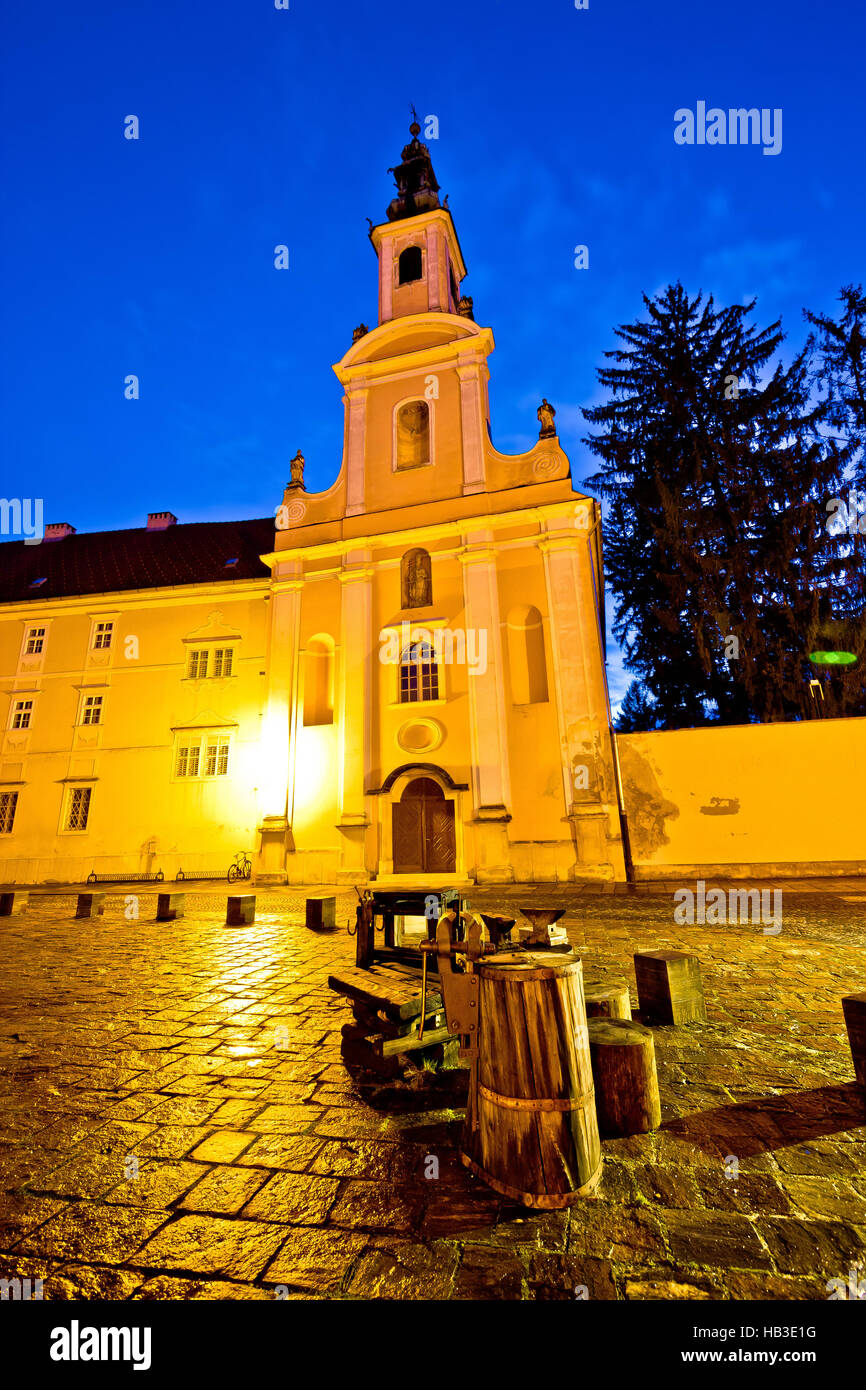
(241, 868)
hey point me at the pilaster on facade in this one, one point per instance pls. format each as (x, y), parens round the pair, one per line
(491, 781)
(355, 708)
(355, 402)
(472, 423)
(277, 749)
(586, 752)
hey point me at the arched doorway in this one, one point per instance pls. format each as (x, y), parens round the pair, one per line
(423, 830)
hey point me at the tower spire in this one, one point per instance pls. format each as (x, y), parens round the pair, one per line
(417, 189)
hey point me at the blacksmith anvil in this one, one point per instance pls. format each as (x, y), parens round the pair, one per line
(541, 932)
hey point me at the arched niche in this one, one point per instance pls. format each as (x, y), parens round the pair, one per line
(319, 681)
(526, 660)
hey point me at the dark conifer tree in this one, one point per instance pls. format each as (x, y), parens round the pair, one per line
(715, 471)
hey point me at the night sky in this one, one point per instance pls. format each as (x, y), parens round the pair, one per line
(261, 126)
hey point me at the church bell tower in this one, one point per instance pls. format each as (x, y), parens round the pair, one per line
(420, 262)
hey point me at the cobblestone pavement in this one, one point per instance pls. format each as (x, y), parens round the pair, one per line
(177, 1121)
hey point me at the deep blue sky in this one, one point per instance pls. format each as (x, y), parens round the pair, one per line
(262, 126)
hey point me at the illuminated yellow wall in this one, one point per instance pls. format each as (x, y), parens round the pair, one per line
(142, 816)
(750, 798)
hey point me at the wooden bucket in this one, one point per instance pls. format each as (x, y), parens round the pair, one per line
(530, 1130)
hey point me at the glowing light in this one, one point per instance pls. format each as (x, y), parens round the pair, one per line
(832, 658)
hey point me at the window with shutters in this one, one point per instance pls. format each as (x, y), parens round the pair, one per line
(202, 755)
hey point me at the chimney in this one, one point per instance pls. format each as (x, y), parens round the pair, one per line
(158, 521)
(56, 530)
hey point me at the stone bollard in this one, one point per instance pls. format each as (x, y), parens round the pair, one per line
(241, 910)
(854, 1009)
(321, 913)
(170, 906)
(13, 904)
(90, 905)
(669, 987)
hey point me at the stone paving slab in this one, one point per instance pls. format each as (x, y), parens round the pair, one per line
(176, 1120)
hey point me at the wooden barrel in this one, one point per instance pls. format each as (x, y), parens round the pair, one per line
(530, 1130)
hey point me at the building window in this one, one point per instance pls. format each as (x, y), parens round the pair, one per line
(35, 641)
(222, 661)
(319, 681)
(22, 712)
(198, 665)
(526, 663)
(216, 763)
(411, 265)
(91, 710)
(413, 435)
(215, 663)
(202, 756)
(8, 804)
(102, 635)
(416, 580)
(78, 808)
(419, 674)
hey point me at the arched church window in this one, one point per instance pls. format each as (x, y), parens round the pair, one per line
(413, 435)
(411, 265)
(319, 681)
(526, 661)
(419, 673)
(416, 580)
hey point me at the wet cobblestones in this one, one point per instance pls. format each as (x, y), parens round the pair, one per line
(177, 1121)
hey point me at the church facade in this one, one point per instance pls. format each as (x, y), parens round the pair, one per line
(400, 677)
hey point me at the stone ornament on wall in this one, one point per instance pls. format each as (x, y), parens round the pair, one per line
(420, 735)
(546, 466)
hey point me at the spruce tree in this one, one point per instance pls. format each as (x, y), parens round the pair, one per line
(715, 470)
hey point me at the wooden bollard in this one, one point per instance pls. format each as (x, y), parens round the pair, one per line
(854, 1009)
(530, 1130)
(606, 998)
(321, 913)
(170, 906)
(241, 910)
(90, 905)
(624, 1074)
(669, 987)
(13, 904)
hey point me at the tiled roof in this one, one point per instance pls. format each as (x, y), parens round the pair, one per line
(104, 562)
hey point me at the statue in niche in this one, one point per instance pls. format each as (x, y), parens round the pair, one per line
(545, 415)
(413, 435)
(297, 467)
(417, 580)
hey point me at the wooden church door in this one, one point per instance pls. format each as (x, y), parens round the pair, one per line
(423, 830)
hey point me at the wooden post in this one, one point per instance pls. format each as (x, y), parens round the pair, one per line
(90, 905)
(321, 913)
(669, 987)
(364, 934)
(606, 998)
(13, 904)
(170, 906)
(854, 1009)
(624, 1073)
(241, 910)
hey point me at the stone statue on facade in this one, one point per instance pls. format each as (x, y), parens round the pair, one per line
(545, 415)
(297, 467)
